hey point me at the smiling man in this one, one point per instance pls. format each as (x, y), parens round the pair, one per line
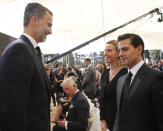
(140, 97)
(24, 85)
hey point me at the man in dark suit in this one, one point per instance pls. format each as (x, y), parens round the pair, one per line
(89, 80)
(78, 112)
(24, 85)
(140, 107)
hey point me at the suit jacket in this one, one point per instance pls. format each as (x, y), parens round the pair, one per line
(24, 89)
(144, 109)
(78, 113)
(89, 80)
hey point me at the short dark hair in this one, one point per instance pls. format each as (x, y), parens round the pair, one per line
(34, 9)
(135, 40)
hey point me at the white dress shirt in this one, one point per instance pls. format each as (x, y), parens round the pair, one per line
(34, 43)
(135, 69)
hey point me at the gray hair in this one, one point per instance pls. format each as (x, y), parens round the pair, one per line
(71, 82)
(34, 9)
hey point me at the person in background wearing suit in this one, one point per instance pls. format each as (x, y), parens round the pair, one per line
(24, 85)
(140, 106)
(78, 112)
(108, 85)
(89, 80)
(48, 70)
(80, 76)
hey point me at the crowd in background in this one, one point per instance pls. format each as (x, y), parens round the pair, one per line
(58, 73)
(103, 97)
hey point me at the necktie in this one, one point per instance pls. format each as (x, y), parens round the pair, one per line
(39, 52)
(125, 90)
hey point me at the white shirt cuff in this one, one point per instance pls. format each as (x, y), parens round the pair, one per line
(66, 124)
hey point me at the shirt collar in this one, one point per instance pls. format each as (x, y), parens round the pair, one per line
(90, 65)
(34, 43)
(77, 91)
(135, 69)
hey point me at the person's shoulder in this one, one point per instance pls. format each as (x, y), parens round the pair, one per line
(17, 44)
(150, 70)
(155, 71)
(83, 98)
(150, 73)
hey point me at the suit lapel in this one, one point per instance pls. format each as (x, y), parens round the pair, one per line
(75, 97)
(136, 83)
(119, 91)
(39, 63)
(72, 105)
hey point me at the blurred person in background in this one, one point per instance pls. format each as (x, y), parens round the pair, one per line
(49, 74)
(89, 80)
(103, 67)
(160, 65)
(80, 76)
(98, 79)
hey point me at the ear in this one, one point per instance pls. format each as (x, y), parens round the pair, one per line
(140, 49)
(34, 20)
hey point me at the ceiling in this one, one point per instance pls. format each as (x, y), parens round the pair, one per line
(77, 21)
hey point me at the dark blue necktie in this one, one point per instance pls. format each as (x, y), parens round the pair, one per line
(125, 90)
(39, 52)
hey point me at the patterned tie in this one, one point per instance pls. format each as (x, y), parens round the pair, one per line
(125, 90)
(39, 52)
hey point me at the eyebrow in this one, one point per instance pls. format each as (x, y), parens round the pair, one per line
(123, 48)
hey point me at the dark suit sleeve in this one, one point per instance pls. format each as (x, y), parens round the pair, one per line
(16, 67)
(157, 95)
(82, 110)
(89, 76)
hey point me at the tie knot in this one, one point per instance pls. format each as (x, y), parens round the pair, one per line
(38, 49)
(129, 74)
(39, 52)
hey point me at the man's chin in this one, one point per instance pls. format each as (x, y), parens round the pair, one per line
(43, 40)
